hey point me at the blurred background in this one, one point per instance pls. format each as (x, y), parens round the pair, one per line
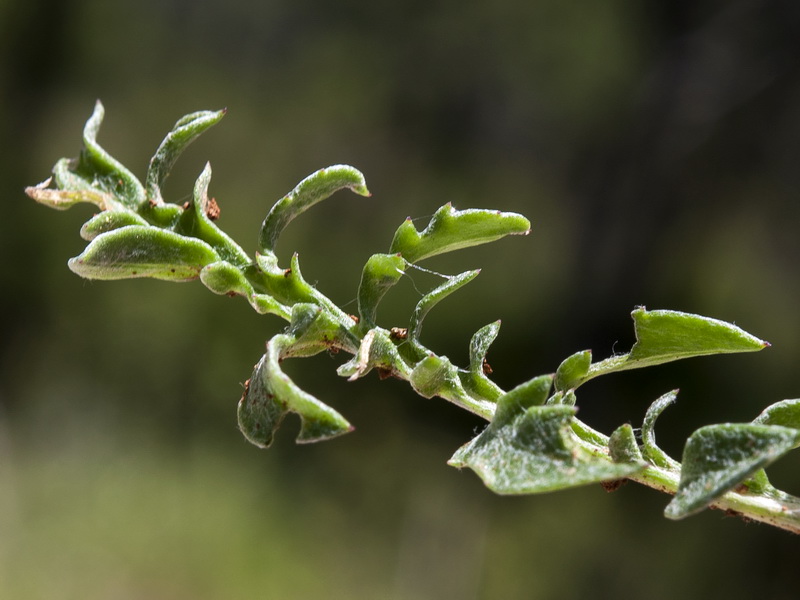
(653, 145)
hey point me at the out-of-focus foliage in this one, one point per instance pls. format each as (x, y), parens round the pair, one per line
(654, 148)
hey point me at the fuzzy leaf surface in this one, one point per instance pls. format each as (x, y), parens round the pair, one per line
(270, 394)
(183, 133)
(143, 251)
(313, 189)
(717, 458)
(531, 449)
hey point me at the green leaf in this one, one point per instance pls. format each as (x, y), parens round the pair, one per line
(270, 394)
(183, 133)
(785, 413)
(535, 451)
(71, 189)
(314, 188)
(435, 296)
(650, 449)
(718, 458)
(665, 335)
(380, 273)
(436, 376)
(622, 446)
(452, 229)
(375, 351)
(196, 221)
(109, 220)
(530, 393)
(106, 173)
(573, 370)
(138, 251)
(476, 381)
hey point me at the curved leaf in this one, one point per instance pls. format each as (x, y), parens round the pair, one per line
(109, 220)
(196, 221)
(476, 381)
(622, 446)
(314, 188)
(183, 133)
(785, 413)
(452, 229)
(270, 394)
(573, 370)
(106, 173)
(138, 251)
(650, 449)
(380, 273)
(435, 296)
(717, 458)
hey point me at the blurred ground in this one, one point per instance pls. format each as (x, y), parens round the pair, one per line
(654, 146)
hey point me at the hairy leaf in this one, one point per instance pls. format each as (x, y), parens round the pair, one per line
(650, 449)
(476, 381)
(534, 450)
(183, 133)
(196, 221)
(717, 458)
(138, 251)
(106, 173)
(270, 394)
(573, 370)
(376, 351)
(435, 296)
(622, 446)
(314, 188)
(380, 273)
(785, 413)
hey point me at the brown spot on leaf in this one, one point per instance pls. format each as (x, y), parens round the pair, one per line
(398, 333)
(487, 368)
(212, 209)
(613, 486)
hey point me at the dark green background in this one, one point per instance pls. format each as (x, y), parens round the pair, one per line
(655, 147)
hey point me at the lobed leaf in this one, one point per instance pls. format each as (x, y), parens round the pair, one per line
(718, 458)
(533, 450)
(270, 394)
(314, 188)
(452, 229)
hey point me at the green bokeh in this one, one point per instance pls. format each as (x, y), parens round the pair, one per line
(654, 148)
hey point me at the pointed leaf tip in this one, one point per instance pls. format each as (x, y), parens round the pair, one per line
(717, 458)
